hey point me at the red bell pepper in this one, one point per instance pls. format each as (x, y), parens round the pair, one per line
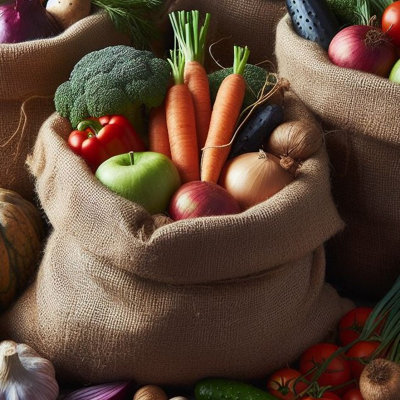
(98, 139)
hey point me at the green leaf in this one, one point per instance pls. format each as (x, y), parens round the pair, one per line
(133, 17)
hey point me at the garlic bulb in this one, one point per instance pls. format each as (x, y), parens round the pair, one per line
(24, 374)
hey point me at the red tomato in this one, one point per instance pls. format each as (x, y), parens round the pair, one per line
(359, 354)
(353, 394)
(391, 22)
(281, 383)
(338, 371)
(325, 396)
(352, 323)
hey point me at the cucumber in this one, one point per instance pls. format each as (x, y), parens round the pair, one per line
(224, 389)
(256, 130)
(313, 20)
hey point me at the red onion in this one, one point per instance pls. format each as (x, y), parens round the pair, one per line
(201, 199)
(107, 391)
(22, 20)
(364, 48)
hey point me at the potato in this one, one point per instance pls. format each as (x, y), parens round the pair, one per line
(67, 12)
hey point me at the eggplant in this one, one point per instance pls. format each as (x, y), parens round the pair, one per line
(256, 130)
(313, 20)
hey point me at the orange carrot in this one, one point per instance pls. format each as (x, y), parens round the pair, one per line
(197, 81)
(181, 123)
(192, 42)
(158, 132)
(224, 117)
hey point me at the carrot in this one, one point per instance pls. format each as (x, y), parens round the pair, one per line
(224, 117)
(158, 132)
(181, 123)
(192, 43)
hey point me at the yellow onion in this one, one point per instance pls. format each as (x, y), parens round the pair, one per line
(380, 380)
(252, 178)
(294, 142)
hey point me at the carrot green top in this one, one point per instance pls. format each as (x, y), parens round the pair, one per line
(191, 39)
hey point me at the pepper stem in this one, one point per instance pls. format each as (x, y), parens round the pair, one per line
(93, 124)
(131, 158)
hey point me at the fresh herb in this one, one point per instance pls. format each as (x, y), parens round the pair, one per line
(133, 17)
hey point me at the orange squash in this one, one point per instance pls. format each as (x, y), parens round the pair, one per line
(21, 232)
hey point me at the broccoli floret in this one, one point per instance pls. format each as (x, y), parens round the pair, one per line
(254, 76)
(113, 80)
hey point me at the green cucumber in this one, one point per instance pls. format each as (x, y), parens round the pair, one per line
(224, 389)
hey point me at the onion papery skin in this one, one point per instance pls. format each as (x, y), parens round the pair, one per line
(252, 178)
(107, 391)
(201, 199)
(23, 20)
(364, 48)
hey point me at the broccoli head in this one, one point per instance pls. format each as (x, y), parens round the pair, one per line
(254, 76)
(113, 80)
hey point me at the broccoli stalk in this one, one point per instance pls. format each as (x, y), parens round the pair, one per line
(113, 80)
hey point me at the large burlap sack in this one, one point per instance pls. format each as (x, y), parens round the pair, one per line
(360, 112)
(249, 23)
(116, 298)
(31, 71)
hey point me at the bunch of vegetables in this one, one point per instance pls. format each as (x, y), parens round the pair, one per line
(217, 145)
(23, 20)
(357, 34)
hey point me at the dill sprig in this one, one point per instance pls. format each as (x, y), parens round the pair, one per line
(133, 17)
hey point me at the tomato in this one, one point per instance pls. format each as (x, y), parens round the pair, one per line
(337, 372)
(353, 394)
(359, 354)
(325, 396)
(281, 383)
(391, 22)
(352, 323)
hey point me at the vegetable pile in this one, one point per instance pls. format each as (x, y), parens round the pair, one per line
(358, 34)
(177, 140)
(23, 20)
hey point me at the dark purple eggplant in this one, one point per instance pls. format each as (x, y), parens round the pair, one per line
(313, 20)
(254, 132)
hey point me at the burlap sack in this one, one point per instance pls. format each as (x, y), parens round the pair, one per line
(31, 72)
(249, 23)
(115, 298)
(360, 112)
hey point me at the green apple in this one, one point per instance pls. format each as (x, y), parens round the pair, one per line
(395, 73)
(147, 178)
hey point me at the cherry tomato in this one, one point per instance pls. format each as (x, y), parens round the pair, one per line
(338, 371)
(391, 22)
(325, 396)
(281, 384)
(353, 394)
(352, 323)
(359, 354)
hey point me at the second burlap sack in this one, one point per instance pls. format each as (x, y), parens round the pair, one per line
(360, 113)
(31, 72)
(117, 298)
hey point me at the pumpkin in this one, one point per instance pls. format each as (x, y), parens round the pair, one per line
(21, 231)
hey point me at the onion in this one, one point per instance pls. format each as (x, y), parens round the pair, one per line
(252, 178)
(107, 391)
(380, 380)
(364, 48)
(200, 199)
(295, 141)
(22, 20)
